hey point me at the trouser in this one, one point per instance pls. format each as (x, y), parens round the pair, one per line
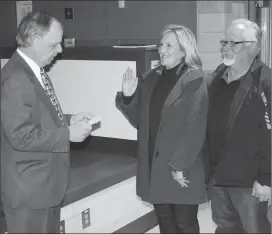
(235, 210)
(177, 218)
(32, 220)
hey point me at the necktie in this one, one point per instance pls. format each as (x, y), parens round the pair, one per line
(51, 94)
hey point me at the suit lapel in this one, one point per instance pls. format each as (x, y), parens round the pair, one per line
(39, 88)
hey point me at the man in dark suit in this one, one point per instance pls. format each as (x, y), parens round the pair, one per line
(35, 134)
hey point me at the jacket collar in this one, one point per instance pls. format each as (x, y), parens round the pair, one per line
(183, 80)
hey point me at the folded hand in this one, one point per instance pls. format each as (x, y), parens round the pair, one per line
(262, 193)
(178, 176)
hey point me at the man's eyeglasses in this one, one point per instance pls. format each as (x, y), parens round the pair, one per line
(232, 43)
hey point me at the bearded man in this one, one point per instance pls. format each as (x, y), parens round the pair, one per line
(239, 134)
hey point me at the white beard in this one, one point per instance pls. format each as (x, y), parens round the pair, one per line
(229, 61)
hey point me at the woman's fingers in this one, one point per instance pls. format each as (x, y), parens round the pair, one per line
(128, 75)
(183, 182)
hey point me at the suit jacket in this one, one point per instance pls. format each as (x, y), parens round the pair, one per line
(179, 140)
(34, 144)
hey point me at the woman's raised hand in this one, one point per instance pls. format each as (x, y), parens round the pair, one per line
(129, 83)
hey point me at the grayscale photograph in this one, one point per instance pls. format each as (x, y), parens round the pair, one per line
(135, 116)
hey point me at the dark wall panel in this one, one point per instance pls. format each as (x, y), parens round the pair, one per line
(8, 23)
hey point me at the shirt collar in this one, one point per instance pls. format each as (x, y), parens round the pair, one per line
(33, 65)
(226, 78)
(255, 64)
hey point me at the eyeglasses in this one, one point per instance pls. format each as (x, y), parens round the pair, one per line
(232, 43)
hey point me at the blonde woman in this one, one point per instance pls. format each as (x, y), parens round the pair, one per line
(168, 106)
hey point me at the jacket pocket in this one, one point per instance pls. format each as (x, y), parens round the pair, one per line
(30, 165)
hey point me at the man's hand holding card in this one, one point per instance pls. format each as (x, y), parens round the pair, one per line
(85, 117)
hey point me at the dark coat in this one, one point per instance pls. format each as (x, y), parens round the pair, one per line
(246, 156)
(34, 144)
(179, 141)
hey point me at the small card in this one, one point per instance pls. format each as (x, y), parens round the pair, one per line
(95, 120)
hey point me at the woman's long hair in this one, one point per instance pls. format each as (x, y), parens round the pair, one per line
(187, 44)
